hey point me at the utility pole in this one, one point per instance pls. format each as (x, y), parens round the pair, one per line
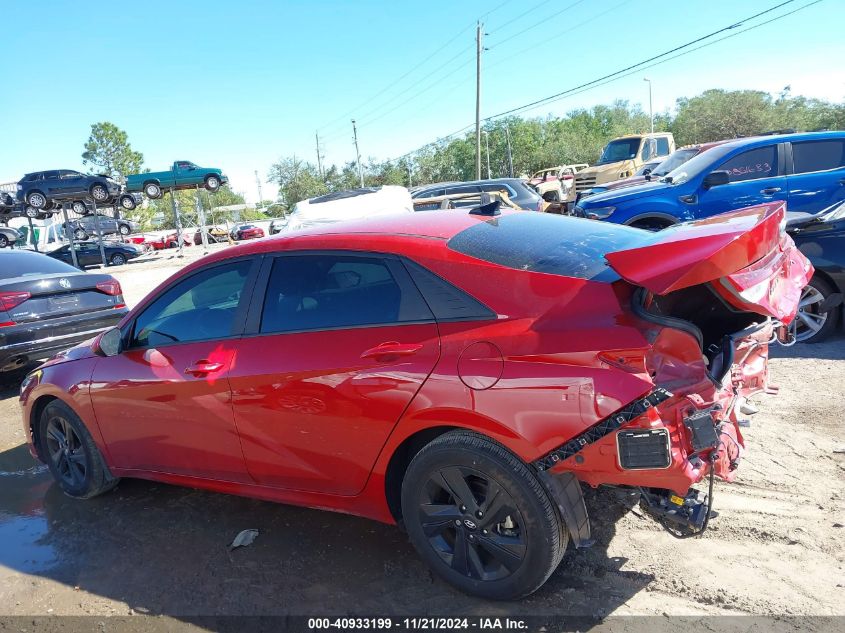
(650, 108)
(319, 157)
(487, 145)
(357, 153)
(258, 182)
(510, 155)
(478, 50)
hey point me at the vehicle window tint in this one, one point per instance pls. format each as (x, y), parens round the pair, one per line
(648, 149)
(463, 189)
(760, 162)
(544, 243)
(34, 177)
(662, 146)
(500, 187)
(818, 156)
(316, 292)
(201, 307)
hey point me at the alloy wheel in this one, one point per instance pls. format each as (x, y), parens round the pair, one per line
(810, 319)
(472, 523)
(99, 192)
(37, 201)
(127, 203)
(66, 451)
(213, 183)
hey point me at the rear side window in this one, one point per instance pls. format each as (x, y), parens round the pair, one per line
(202, 307)
(544, 243)
(818, 156)
(328, 291)
(662, 146)
(447, 302)
(463, 189)
(760, 162)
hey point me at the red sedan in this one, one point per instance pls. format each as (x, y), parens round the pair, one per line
(461, 373)
(246, 232)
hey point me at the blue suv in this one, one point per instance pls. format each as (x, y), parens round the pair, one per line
(806, 170)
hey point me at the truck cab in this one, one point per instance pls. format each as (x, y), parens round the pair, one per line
(621, 158)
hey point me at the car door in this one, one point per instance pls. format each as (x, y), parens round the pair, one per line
(52, 184)
(71, 183)
(340, 344)
(88, 254)
(164, 404)
(816, 177)
(756, 176)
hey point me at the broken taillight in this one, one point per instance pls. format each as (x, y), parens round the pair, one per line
(110, 287)
(9, 300)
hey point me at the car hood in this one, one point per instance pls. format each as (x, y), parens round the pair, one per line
(623, 193)
(746, 256)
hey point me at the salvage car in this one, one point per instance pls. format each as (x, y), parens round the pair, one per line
(377, 368)
(213, 234)
(806, 170)
(43, 189)
(126, 201)
(88, 253)
(517, 189)
(350, 204)
(246, 232)
(821, 238)
(94, 223)
(183, 174)
(47, 306)
(463, 201)
(554, 183)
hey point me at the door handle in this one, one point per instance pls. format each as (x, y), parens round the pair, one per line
(392, 348)
(203, 367)
(769, 191)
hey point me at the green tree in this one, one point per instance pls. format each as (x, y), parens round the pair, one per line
(108, 149)
(297, 180)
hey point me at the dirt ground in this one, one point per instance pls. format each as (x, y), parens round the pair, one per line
(777, 547)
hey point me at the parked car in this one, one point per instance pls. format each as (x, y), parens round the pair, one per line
(41, 190)
(214, 234)
(246, 232)
(94, 223)
(653, 171)
(553, 184)
(47, 306)
(806, 170)
(517, 189)
(464, 201)
(821, 238)
(88, 253)
(169, 239)
(9, 236)
(380, 370)
(277, 225)
(621, 158)
(183, 174)
(7, 204)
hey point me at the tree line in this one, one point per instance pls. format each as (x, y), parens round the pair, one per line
(577, 137)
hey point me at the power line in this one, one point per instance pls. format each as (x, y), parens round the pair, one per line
(536, 24)
(634, 67)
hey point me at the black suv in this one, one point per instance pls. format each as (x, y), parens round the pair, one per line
(517, 190)
(41, 190)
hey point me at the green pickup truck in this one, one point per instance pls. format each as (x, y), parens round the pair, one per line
(182, 175)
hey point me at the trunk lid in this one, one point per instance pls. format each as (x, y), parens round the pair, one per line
(59, 295)
(745, 255)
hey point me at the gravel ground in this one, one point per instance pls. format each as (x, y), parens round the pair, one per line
(777, 547)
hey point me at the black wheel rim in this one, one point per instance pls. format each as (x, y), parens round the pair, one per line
(472, 523)
(66, 452)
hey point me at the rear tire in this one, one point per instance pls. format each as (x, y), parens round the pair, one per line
(480, 517)
(153, 190)
(809, 316)
(71, 454)
(4, 241)
(123, 229)
(79, 207)
(79, 234)
(128, 203)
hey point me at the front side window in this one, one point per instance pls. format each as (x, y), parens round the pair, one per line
(818, 156)
(318, 292)
(760, 162)
(201, 307)
(463, 189)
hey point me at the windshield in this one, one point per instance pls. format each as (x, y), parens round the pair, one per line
(674, 161)
(621, 149)
(704, 161)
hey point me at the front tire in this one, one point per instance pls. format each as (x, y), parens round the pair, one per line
(80, 234)
(4, 241)
(128, 203)
(811, 325)
(123, 229)
(71, 454)
(480, 517)
(79, 207)
(212, 183)
(99, 193)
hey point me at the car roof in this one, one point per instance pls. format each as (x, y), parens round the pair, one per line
(781, 138)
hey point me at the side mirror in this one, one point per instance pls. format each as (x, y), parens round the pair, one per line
(109, 343)
(716, 178)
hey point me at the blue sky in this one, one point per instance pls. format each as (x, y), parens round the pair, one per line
(238, 84)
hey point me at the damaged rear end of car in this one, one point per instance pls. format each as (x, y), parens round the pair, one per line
(709, 297)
